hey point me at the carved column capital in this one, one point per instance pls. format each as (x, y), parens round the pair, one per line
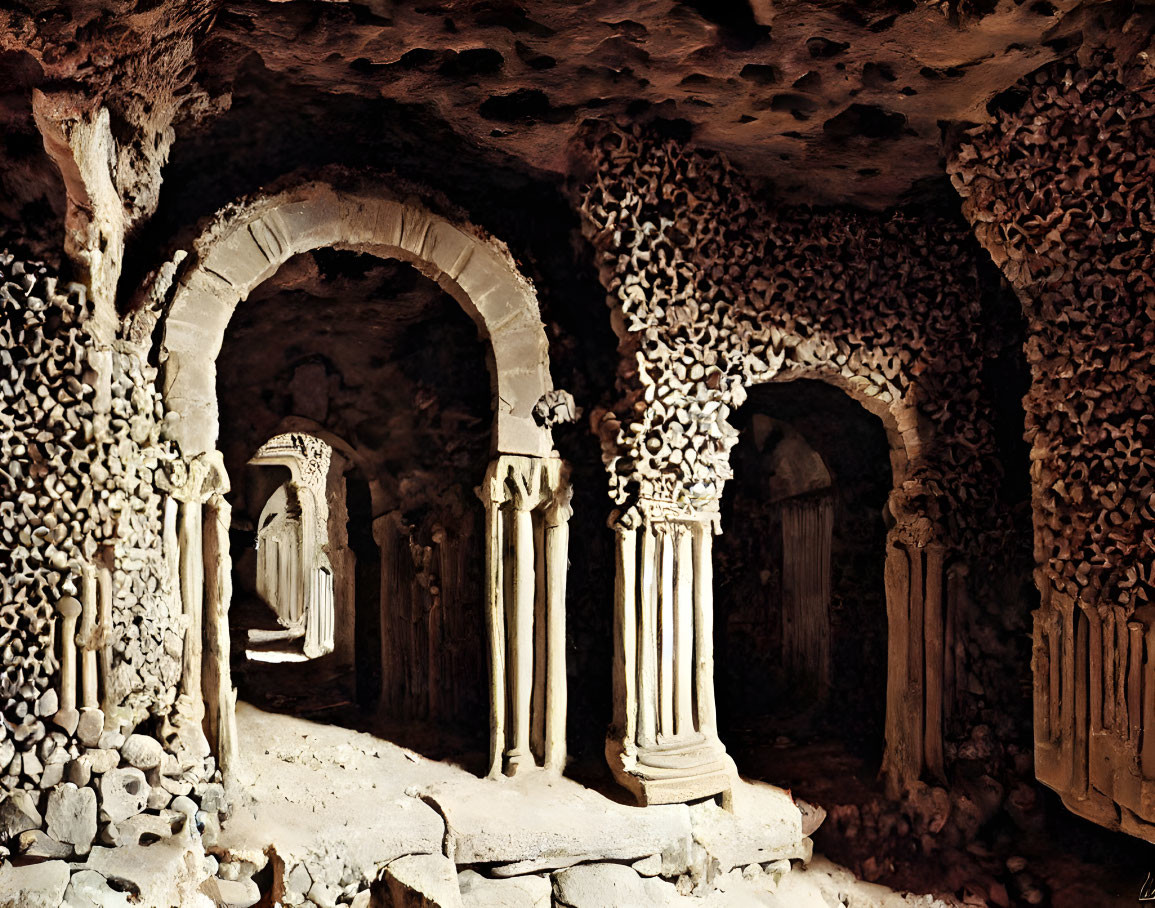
(559, 502)
(195, 480)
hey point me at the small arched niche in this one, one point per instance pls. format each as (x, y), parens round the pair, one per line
(801, 621)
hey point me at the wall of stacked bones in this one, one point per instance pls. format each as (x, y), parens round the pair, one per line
(1059, 191)
(719, 290)
(91, 745)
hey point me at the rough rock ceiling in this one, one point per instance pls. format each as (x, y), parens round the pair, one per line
(831, 101)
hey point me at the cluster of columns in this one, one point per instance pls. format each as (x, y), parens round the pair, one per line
(295, 544)
(527, 511)
(293, 572)
(1094, 694)
(663, 745)
(85, 657)
(196, 544)
(924, 602)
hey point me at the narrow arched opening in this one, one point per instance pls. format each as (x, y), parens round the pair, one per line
(801, 622)
(380, 379)
(424, 519)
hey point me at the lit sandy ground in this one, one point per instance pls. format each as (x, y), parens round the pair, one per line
(343, 805)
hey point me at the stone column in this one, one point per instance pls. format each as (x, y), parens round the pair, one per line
(88, 638)
(807, 532)
(527, 532)
(189, 537)
(703, 538)
(495, 618)
(69, 609)
(519, 629)
(557, 515)
(663, 745)
(219, 695)
(385, 534)
(104, 592)
(194, 485)
(915, 580)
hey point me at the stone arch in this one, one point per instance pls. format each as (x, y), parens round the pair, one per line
(904, 431)
(247, 243)
(352, 455)
(922, 588)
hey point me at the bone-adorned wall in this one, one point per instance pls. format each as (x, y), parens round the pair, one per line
(92, 637)
(1059, 190)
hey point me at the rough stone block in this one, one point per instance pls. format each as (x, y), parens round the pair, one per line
(421, 881)
(37, 844)
(79, 771)
(165, 874)
(90, 726)
(143, 829)
(102, 761)
(142, 752)
(599, 886)
(232, 893)
(67, 719)
(48, 704)
(18, 814)
(52, 776)
(765, 825)
(158, 798)
(478, 891)
(71, 816)
(123, 793)
(298, 880)
(33, 885)
(88, 889)
(212, 797)
(503, 829)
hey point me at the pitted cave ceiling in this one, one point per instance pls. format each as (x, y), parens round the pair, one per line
(830, 102)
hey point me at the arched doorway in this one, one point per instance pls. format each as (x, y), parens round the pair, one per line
(525, 485)
(378, 356)
(801, 611)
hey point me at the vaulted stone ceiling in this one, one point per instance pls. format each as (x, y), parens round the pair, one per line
(831, 102)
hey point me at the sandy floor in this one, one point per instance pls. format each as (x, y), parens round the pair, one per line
(345, 803)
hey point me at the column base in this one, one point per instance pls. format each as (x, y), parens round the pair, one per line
(519, 763)
(685, 769)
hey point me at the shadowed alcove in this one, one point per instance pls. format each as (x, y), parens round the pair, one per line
(369, 359)
(801, 609)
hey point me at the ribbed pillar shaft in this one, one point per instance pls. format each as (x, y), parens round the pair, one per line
(663, 743)
(521, 640)
(557, 566)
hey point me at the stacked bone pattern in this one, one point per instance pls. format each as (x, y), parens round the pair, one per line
(718, 289)
(79, 440)
(1061, 193)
